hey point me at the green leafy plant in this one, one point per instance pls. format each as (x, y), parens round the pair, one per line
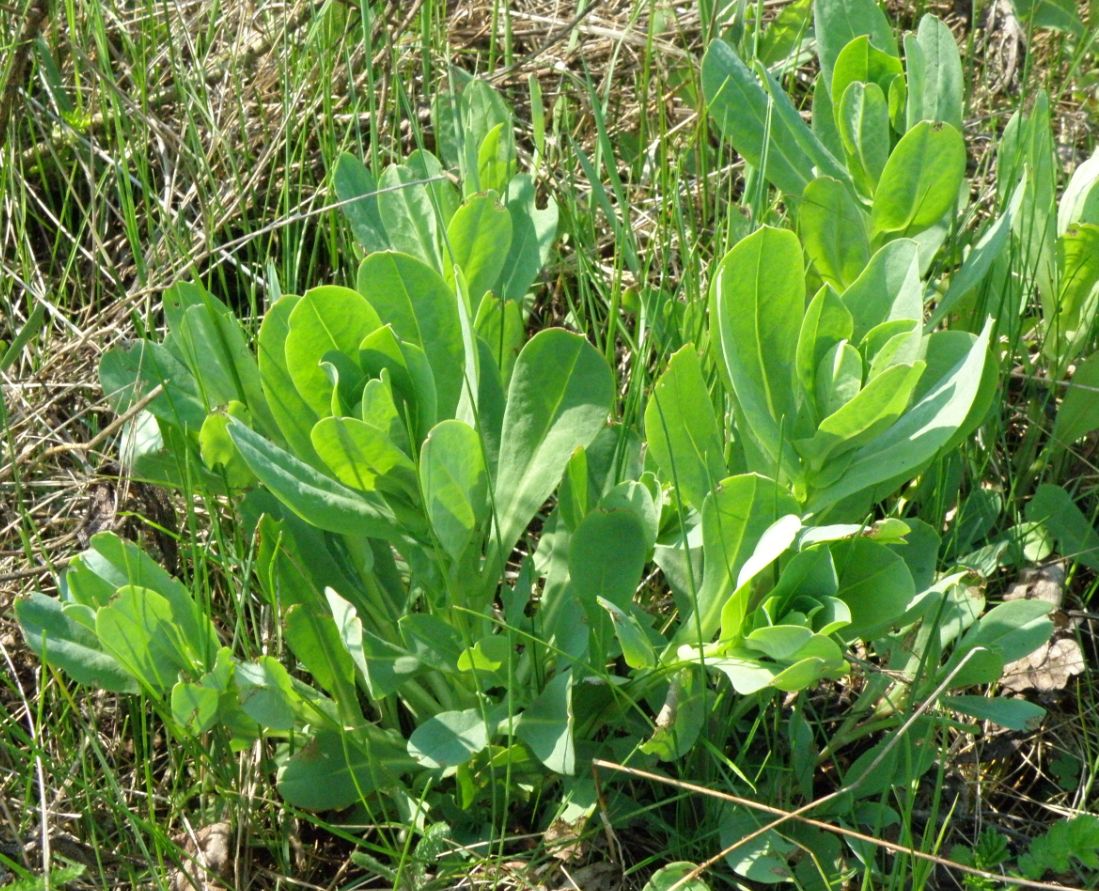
(390, 459)
(1069, 846)
(453, 536)
(884, 158)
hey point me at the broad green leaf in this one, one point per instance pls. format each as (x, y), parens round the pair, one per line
(347, 380)
(114, 563)
(194, 706)
(455, 485)
(128, 374)
(1080, 199)
(790, 121)
(643, 498)
(927, 426)
(409, 215)
(1014, 714)
(1007, 632)
(607, 556)
(637, 649)
(422, 310)
(559, 398)
(979, 262)
(920, 552)
(217, 449)
(778, 642)
(478, 239)
(863, 122)
(1069, 320)
(1076, 537)
(363, 456)
(889, 288)
(315, 640)
(833, 231)
(214, 349)
(297, 560)
(1078, 414)
(827, 322)
(682, 431)
(293, 415)
(810, 573)
(786, 33)
(181, 297)
(868, 413)
(863, 63)
(60, 640)
(482, 110)
(935, 82)
(547, 725)
(388, 665)
(267, 693)
(489, 655)
(468, 408)
(435, 642)
(750, 118)
(1027, 154)
(491, 405)
(675, 875)
(746, 673)
(349, 627)
(532, 232)
(334, 770)
(450, 738)
(499, 324)
(920, 182)
(574, 495)
(760, 298)
(212, 342)
(775, 541)
(1060, 15)
(378, 409)
(328, 319)
(356, 189)
(837, 22)
(734, 518)
(896, 97)
(875, 584)
(442, 193)
(838, 378)
(383, 353)
(137, 628)
(311, 495)
(824, 121)
(765, 858)
(496, 159)
(805, 672)
(898, 342)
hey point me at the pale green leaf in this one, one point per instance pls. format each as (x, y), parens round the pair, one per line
(682, 431)
(920, 182)
(558, 399)
(455, 485)
(833, 231)
(760, 298)
(59, 640)
(478, 240)
(328, 319)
